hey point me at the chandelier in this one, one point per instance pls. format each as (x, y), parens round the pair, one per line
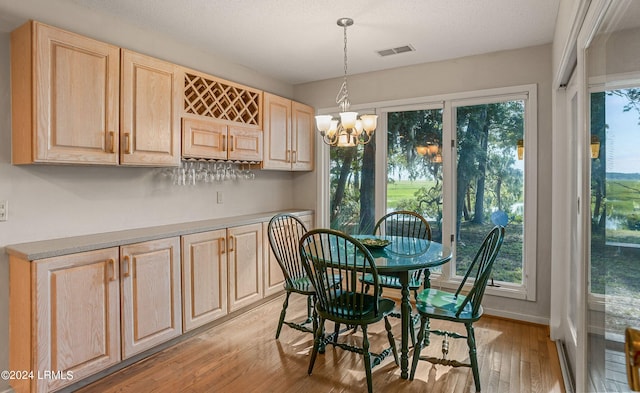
(349, 130)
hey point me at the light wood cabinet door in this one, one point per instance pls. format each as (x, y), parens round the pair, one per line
(151, 293)
(150, 107)
(244, 256)
(204, 139)
(302, 137)
(244, 144)
(216, 140)
(65, 93)
(204, 277)
(77, 315)
(273, 276)
(277, 132)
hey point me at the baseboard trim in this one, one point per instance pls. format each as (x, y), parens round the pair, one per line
(516, 316)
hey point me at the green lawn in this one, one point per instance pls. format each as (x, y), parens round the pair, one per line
(404, 189)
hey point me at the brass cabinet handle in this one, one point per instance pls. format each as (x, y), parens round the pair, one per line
(287, 156)
(127, 143)
(222, 245)
(112, 139)
(112, 263)
(632, 352)
(231, 243)
(294, 155)
(224, 143)
(230, 142)
(126, 262)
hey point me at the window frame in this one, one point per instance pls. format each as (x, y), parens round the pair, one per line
(448, 103)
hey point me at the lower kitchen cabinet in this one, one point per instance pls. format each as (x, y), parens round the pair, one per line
(204, 277)
(75, 315)
(151, 294)
(244, 258)
(78, 323)
(221, 272)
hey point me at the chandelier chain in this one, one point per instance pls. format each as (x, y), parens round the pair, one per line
(342, 99)
(345, 54)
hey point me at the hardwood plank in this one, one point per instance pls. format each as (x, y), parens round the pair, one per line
(242, 355)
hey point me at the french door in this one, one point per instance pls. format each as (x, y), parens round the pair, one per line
(608, 176)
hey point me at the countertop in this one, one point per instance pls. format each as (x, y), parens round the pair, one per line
(71, 245)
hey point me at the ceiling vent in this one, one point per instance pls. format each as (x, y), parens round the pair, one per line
(395, 51)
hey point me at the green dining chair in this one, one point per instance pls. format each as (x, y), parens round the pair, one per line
(327, 253)
(457, 307)
(403, 223)
(285, 231)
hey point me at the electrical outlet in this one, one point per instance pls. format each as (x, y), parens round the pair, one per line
(219, 196)
(4, 210)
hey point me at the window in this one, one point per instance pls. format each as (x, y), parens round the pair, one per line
(352, 179)
(426, 152)
(490, 184)
(414, 164)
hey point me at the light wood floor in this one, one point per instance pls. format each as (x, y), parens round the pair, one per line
(241, 355)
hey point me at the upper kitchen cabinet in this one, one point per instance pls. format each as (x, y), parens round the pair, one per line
(65, 92)
(220, 119)
(150, 111)
(212, 140)
(288, 134)
(302, 123)
(76, 100)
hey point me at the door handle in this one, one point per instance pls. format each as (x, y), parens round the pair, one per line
(127, 143)
(126, 262)
(112, 263)
(112, 140)
(222, 245)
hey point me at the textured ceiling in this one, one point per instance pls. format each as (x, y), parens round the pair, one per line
(298, 40)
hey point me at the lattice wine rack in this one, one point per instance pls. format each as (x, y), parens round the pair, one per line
(219, 100)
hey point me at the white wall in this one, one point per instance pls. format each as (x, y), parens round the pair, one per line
(57, 201)
(501, 69)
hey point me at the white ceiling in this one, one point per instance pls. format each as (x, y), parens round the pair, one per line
(299, 41)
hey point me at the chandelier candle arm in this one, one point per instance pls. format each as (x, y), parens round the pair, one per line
(348, 131)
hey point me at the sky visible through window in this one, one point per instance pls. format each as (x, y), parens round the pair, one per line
(623, 136)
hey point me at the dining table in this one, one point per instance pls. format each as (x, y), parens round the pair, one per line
(399, 256)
